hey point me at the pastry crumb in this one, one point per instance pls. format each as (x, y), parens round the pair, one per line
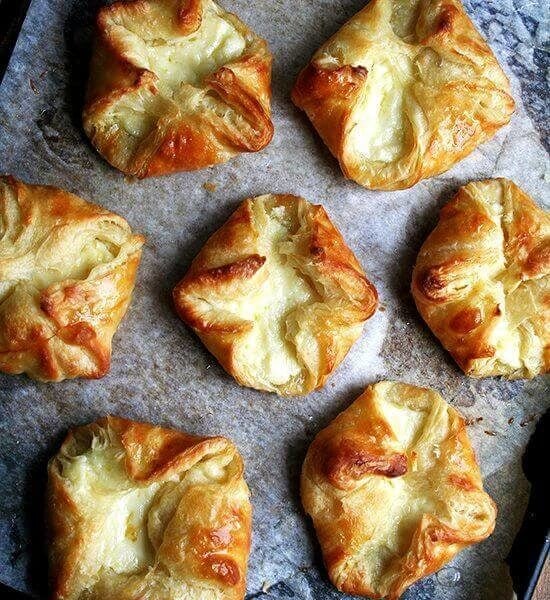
(209, 186)
(33, 87)
(265, 587)
(528, 420)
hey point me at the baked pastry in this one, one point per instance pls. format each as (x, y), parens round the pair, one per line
(482, 281)
(137, 512)
(276, 295)
(67, 271)
(394, 490)
(176, 85)
(403, 91)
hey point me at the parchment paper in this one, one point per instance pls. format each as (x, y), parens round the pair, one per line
(161, 372)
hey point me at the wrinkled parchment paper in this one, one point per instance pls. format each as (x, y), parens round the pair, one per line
(161, 372)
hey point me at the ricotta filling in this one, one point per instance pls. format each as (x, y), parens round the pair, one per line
(75, 265)
(187, 59)
(176, 61)
(271, 355)
(113, 509)
(378, 130)
(50, 264)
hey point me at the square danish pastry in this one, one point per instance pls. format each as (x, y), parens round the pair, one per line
(403, 91)
(482, 281)
(394, 490)
(176, 85)
(67, 272)
(276, 295)
(138, 512)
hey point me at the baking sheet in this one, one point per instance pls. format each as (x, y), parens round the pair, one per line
(161, 372)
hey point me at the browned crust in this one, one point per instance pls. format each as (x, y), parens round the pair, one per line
(154, 452)
(44, 334)
(216, 277)
(538, 260)
(229, 266)
(328, 97)
(215, 521)
(349, 460)
(457, 122)
(189, 16)
(181, 141)
(452, 274)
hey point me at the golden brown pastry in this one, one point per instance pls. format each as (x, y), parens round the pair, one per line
(67, 271)
(394, 490)
(137, 512)
(176, 85)
(403, 91)
(276, 295)
(482, 281)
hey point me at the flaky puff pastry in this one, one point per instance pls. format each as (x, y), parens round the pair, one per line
(482, 281)
(394, 490)
(403, 91)
(176, 85)
(67, 271)
(138, 512)
(276, 295)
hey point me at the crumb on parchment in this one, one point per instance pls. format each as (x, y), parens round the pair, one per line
(209, 186)
(528, 419)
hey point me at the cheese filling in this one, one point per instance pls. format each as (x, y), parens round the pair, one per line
(113, 508)
(378, 124)
(74, 265)
(270, 354)
(180, 64)
(50, 263)
(273, 354)
(187, 59)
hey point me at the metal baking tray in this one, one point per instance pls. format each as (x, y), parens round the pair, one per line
(41, 141)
